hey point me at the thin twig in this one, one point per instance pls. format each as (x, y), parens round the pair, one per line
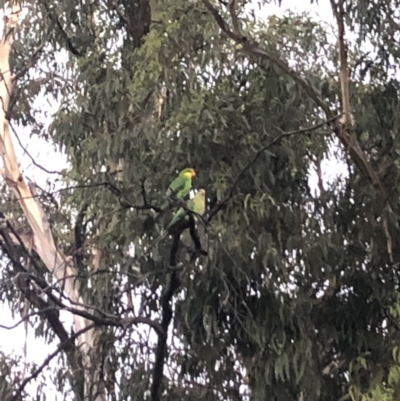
(30, 156)
(106, 184)
(31, 62)
(40, 312)
(349, 141)
(47, 361)
(219, 206)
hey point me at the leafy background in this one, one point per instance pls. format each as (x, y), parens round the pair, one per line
(297, 298)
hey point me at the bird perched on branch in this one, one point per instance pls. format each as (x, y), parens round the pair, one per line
(182, 184)
(179, 188)
(181, 217)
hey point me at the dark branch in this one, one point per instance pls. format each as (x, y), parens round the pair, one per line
(39, 312)
(67, 39)
(108, 185)
(31, 62)
(222, 204)
(22, 279)
(102, 320)
(254, 48)
(63, 345)
(193, 233)
(161, 350)
(347, 138)
(30, 156)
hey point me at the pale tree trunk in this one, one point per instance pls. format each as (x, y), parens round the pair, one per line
(58, 264)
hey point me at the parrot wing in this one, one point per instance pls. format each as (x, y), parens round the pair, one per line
(181, 213)
(177, 186)
(197, 204)
(182, 184)
(177, 189)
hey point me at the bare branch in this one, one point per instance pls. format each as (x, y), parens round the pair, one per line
(221, 205)
(47, 361)
(29, 155)
(39, 312)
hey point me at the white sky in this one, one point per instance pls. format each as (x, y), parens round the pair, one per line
(44, 153)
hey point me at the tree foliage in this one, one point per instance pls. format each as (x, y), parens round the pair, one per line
(294, 294)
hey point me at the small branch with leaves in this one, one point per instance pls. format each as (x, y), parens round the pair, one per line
(263, 149)
(342, 131)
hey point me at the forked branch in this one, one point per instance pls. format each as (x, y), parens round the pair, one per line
(340, 128)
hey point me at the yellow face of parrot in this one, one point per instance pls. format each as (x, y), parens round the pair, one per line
(189, 173)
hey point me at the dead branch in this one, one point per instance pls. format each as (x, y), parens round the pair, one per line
(36, 313)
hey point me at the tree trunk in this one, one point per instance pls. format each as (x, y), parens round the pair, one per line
(58, 264)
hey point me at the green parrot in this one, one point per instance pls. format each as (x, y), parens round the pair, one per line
(182, 184)
(197, 204)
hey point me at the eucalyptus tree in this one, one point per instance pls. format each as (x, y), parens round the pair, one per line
(284, 289)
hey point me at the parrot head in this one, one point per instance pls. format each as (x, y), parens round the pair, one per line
(188, 172)
(202, 193)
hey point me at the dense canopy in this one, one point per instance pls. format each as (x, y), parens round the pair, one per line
(287, 288)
